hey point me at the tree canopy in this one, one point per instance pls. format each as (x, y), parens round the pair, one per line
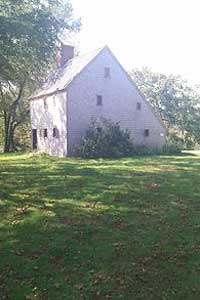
(29, 38)
(174, 99)
(29, 32)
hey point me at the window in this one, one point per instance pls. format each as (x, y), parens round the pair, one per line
(146, 132)
(55, 133)
(106, 72)
(45, 103)
(34, 139)
(54, 101)
(99, 100)
(138, 106)
(40, 132)
(45, 133)
(99, 129)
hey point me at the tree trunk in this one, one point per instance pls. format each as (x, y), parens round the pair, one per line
(10, 123)
(12, 144)
(9, 132)
(6, 134)
(7, 140)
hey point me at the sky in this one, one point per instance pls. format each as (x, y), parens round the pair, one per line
(163, 35)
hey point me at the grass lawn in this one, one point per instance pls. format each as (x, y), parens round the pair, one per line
(99, 229)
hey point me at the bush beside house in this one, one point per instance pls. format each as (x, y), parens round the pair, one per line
(105, 139)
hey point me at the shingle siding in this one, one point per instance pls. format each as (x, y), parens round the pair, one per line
(72, 109)
(120, 99)
(48, 116)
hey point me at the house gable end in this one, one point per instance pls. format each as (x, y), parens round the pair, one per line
(119, 99)
(133, 85)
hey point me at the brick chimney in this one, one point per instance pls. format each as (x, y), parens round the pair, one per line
(65, 53)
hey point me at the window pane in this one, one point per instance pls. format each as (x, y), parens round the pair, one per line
(55, 132)
(146, 132)
(138, 106)
(45, 132)
(40, 132)
(107, 72)
(99, 100)
(45, 103)
(99, 129)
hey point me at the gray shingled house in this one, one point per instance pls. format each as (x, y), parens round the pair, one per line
(90, 86)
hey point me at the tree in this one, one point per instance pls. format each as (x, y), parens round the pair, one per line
(177, 103)
(29, 37)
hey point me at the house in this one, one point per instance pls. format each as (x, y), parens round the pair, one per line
(90, 86)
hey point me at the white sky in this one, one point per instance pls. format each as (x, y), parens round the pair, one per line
(161, 34)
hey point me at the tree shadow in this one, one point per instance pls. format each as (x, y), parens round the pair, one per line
(74, 228)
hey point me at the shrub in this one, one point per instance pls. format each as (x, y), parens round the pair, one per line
(144, 150)
(174, 144)
(105, 139)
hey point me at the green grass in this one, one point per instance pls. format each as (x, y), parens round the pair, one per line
(99, 229)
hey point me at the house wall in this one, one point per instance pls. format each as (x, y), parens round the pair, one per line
(50, 113)
(120, 98)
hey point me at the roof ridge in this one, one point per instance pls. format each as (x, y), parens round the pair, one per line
(72, 68)
(86, 53)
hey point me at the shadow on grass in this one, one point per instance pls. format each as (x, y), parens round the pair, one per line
(99, 229)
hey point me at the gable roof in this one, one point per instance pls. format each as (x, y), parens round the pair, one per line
(62, 77)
